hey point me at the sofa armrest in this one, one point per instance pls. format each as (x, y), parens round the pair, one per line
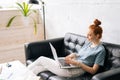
(33, 50)
(113, 74)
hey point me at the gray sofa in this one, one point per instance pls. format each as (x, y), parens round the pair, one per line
(72, 43)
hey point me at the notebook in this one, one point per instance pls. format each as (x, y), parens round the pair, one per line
(60, 60)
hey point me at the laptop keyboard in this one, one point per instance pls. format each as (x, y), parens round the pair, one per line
(62, 61)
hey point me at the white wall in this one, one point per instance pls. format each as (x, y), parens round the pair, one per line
(75, 16)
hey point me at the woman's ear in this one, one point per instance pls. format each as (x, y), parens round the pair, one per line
(98, 36)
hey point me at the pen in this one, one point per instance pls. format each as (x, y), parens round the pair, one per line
(0, 69)
(9, 75)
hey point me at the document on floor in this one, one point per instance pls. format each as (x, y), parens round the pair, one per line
(5, 72)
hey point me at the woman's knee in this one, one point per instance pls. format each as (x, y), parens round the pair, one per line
(41, 58)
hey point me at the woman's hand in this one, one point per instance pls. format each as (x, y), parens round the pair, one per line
(70, 58)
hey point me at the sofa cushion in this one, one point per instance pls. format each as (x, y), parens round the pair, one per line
(85, 76)
(57, 78)
(73, 42)
(113, 56)
(45, 75)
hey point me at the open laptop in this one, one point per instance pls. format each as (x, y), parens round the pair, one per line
(60, 60)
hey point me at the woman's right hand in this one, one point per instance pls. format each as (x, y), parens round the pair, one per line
(69, 58)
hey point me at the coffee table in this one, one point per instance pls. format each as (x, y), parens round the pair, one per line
(15, 70)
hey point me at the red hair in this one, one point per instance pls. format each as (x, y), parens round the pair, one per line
(97, 30)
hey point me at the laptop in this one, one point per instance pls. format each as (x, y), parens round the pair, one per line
(60, 60)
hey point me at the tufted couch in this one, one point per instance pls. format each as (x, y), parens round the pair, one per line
(72, 43)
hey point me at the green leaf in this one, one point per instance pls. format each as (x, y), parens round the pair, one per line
(26, 11)
(35, 25)
(24, 8)
(35, 28)
(20, 7)
(10, 21)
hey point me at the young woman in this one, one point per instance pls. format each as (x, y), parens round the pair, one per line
(90, 57)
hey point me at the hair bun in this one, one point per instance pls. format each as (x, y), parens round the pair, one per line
(97, 22)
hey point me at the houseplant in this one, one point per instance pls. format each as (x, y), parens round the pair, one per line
(26, 11)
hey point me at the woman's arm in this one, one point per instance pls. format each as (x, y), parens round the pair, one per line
(70, 57)
(89, 69)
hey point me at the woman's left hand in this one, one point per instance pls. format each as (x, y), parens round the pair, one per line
(72, 61)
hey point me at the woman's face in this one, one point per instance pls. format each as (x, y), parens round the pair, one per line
(91, 36)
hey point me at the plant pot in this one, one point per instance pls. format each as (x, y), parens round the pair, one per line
(26, 21)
